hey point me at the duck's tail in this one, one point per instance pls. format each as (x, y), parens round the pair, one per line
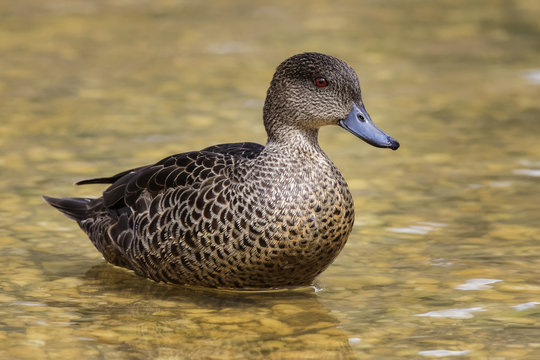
(77, 209)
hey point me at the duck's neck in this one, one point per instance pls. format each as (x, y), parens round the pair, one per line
(294, 142)
(294, 160)
(281, 122)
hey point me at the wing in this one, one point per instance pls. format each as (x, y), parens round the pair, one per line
(246, 150)
(186, 169)
(144, 207)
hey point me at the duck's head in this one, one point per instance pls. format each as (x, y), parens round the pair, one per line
(311, 90)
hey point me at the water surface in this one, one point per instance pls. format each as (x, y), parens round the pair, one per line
(444, 259)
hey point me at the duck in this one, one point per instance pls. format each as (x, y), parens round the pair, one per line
(240, 215)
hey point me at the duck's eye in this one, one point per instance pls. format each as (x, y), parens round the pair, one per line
(321, 82)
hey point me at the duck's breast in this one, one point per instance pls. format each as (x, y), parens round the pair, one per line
(299, 219)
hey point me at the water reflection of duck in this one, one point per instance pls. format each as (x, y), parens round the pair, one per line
(187, 322)
(241, 215)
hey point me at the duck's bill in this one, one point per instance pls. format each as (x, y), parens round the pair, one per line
(359, 123)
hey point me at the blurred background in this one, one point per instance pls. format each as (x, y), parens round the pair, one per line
(444, 259)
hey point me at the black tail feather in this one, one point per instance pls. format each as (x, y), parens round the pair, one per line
(75, 208)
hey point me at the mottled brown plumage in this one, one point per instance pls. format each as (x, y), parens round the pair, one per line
(240, 215)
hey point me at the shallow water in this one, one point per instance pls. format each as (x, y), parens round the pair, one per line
(444, 259)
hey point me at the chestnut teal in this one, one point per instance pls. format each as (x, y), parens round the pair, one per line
(240, 215)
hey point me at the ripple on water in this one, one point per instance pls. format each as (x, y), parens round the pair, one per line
(526, 306)
(477, 284)
(442, 353)
(421, 228)
(528, 172)
(460, 313)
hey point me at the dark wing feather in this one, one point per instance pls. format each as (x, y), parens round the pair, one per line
(108, 180)
(246, 150)
(186, 169)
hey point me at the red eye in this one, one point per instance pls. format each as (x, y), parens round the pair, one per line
(321, 82)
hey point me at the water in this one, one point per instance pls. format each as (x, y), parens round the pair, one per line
(444, 259)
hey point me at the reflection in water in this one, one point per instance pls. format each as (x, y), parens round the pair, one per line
(446, 226)
(453, 313)
(527, 305)
(477, 284)
(440, 353)
(197, 322)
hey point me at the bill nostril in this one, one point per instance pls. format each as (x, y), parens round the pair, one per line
(361, 117)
